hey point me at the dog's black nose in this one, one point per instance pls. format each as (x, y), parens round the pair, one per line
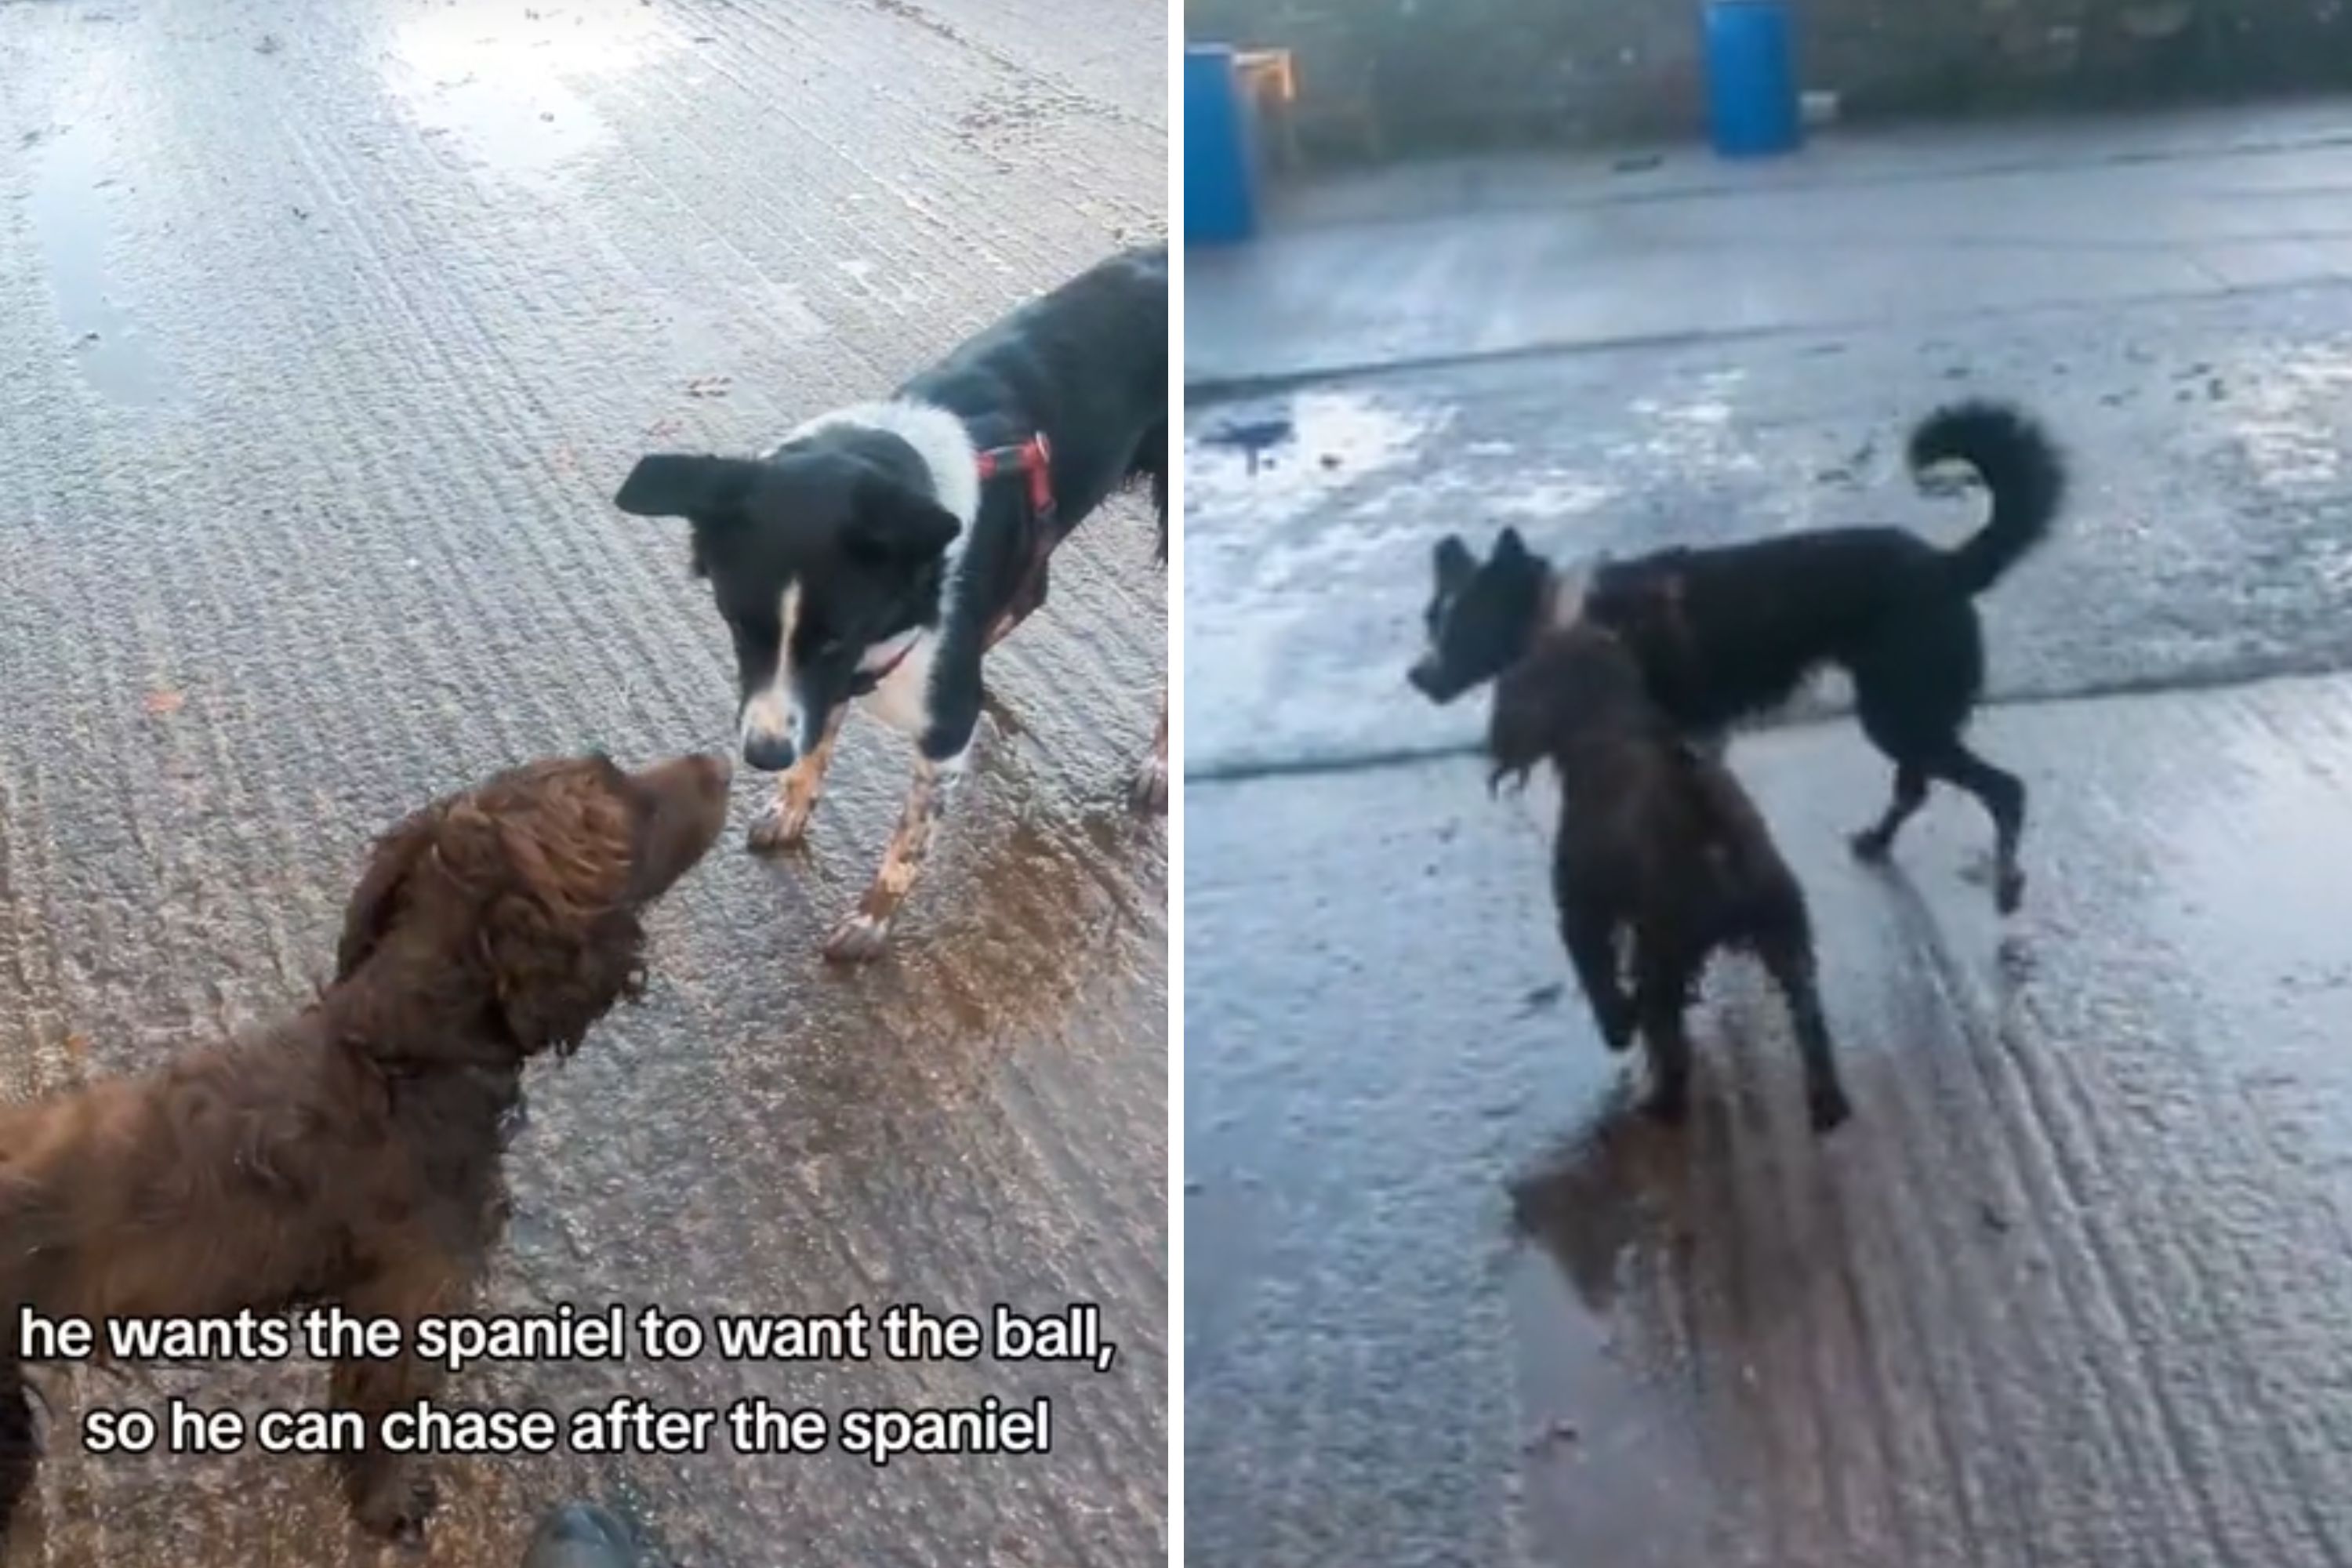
(768, 753)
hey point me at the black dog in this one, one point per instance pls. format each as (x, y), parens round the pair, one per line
(1657, 839)
(881, 550)
(1726, 633)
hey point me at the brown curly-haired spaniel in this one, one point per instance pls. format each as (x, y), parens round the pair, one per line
(352, 1154)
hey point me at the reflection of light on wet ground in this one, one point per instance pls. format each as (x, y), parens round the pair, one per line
(1551, 498)
(1324, 444)
(498, 77)
(2287, 417)
(1689, 429)
(71, 186)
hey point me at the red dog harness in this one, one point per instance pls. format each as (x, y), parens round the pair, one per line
(1034, 460)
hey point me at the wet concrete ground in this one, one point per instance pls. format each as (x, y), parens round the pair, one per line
(325, 336)
(2068, 1291)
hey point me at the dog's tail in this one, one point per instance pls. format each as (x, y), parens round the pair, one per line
(2019, 464)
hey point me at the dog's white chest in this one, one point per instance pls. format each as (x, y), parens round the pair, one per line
(901, 699)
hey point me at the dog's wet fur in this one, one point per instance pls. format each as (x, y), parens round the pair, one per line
(1728, 633)
(1658, 844)
(350, 1155)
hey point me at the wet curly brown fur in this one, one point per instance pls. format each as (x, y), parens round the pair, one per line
(1659, 849)
(350, 1155)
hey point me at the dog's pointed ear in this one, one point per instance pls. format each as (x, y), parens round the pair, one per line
(891, 524)
(686, 484)
(1509, 546)
(1454, 563)
(369, 914)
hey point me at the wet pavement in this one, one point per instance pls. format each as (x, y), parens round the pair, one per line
(325, 336)
(2068, 1291)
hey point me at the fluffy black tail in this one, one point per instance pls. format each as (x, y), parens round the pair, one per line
(2018, 463)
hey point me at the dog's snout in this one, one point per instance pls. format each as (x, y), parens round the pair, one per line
(768, 753)
(688, 796)
(1424, 677)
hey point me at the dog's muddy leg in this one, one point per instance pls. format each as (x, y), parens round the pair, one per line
(1592, 948)
(785, 817)
(1873, 842)
(1661, 998)
(1147, 795)
(1786, 949)
(20, 1444)
(1149, 792)
(392, 1494)
(2004, 796)
(862, 935)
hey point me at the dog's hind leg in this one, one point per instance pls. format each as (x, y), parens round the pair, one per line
(1152, 458)
(784, 819)
(1592, 948)
(1875, 842)
(2003, 796)
(1784, 943)
(1147, 792)
(1662, 997)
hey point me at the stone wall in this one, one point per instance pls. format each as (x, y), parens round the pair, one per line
(1381, 77)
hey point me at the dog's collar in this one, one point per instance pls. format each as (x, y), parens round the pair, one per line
(881, 672)
(1032, 458)
(869, 676)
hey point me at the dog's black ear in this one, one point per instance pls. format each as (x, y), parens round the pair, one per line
(686, 484)
(1454, 563)
(1509, 546)
(890, 523)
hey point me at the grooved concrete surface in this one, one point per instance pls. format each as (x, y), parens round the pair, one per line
(325, 335)
(2069, 1291)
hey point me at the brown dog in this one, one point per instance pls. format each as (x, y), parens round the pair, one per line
(351, 1155)
(1656, 838)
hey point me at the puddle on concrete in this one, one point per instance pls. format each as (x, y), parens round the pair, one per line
(72, 189)
(2287, 417)
(1548, 499)
(1609, 1453)
(494, 79)
(1282, 466)
(1694, 428)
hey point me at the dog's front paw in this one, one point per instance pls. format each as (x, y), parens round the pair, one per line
(859, 938)
(1828, 1109)
(778, 827)
(393, 1498)
(2007, 890)
(1147, 792)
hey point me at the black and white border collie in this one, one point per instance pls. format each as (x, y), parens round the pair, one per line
(879, 551)
(1730, 632)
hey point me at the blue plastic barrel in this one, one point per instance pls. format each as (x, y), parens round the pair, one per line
(1220, 176)
(1751, 78)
